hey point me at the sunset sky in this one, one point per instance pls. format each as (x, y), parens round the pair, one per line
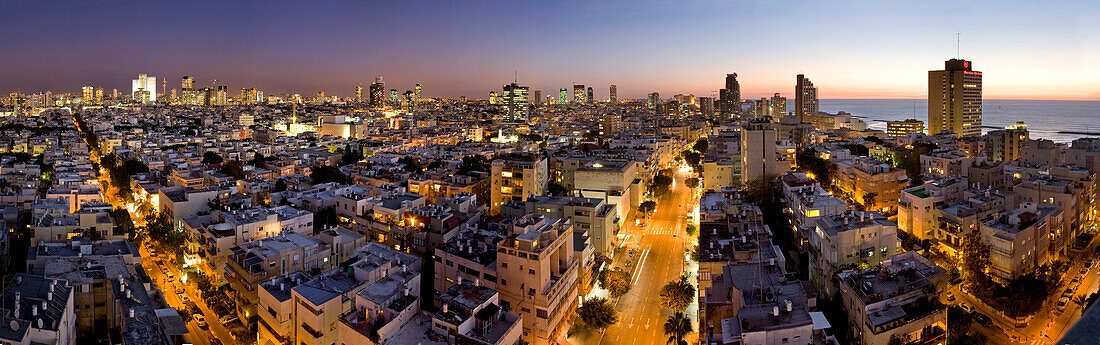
(850, 49)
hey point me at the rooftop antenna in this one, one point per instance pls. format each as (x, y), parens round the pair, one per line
(958, 38)
(515, 77)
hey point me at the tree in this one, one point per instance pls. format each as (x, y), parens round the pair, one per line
(280, 185)
(615, 281)
(598, 313)
(233, 168)
(700, 145)
(677, 294)
(410, 164)
(474, 163)
(975, 257)
(821, 169)
(692, 182)
(647, 207)
(211, 157)
(325, 218)
(351, 157)
(691, 229)
(134, 166)
(661, 184)
(677, 327)
(325, 174)
(763, 190)
(556, 189)
(258, 160)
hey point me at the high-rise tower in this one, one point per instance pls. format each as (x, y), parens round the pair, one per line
(378, 93)
(614, 93)
(188, 83)
(578, 94)
(144, 83)
(955, 99)
(729, 98)
(515, 99)
(562, 96)
(805, 98)
(591, 96)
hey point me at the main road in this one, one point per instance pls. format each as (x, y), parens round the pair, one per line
(660, 248)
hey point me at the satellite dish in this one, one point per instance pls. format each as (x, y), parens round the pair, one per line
(14, 325)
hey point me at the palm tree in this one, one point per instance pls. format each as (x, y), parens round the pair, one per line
(678, 326)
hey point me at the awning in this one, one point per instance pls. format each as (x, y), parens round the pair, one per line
(819, 320)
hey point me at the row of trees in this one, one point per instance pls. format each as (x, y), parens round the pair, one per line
(598, 313)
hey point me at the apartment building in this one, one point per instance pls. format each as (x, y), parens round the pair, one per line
(870, 183)
(537, 271)
(615, 182)
(593, 216)
(253, 262)
(1019, 240)
(890, 301)
(515, 177)
(38, 310)
(851, 239)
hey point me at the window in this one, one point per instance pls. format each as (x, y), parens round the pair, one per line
(504, 282)
(531, 271)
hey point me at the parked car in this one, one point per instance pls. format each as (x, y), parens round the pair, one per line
(966, 307)
(200, 321)
(1068, 292)
(227, 319)
(177, 289)
(950, 297)
(1088, 263)
(1062, 303)
(983, 320)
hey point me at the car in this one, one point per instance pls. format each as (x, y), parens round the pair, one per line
(1084, 270)
(215, 341)
(227, 319)
(966, 307)
(983, 320)
(1062, 303)
(200, 320)
(950, 297)
(1088, 263)
(1068, 292)
(171, 278)
(1075, 280)
(177, 289)
(185, 299)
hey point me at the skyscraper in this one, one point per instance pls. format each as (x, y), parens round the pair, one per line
(222, 96)
(393, 96)
(578, 94)
(359, 93)
(88, 95)
(188, 83)
(493, 97)
(706, 106)
(805, 98)
(144, 83)
(614, 93)
(377, 93)
(416, 93)
(562, 99)
(99, 95)
(591, 96)
(955, 99)
(515, 99)
(729, 98)
(778, 106)
(652, 100)
(537, 100)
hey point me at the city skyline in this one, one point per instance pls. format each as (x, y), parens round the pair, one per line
(870, 50)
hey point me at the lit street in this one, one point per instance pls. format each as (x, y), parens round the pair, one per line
(660, 248)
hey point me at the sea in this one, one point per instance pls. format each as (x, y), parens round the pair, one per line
(1060, 121)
